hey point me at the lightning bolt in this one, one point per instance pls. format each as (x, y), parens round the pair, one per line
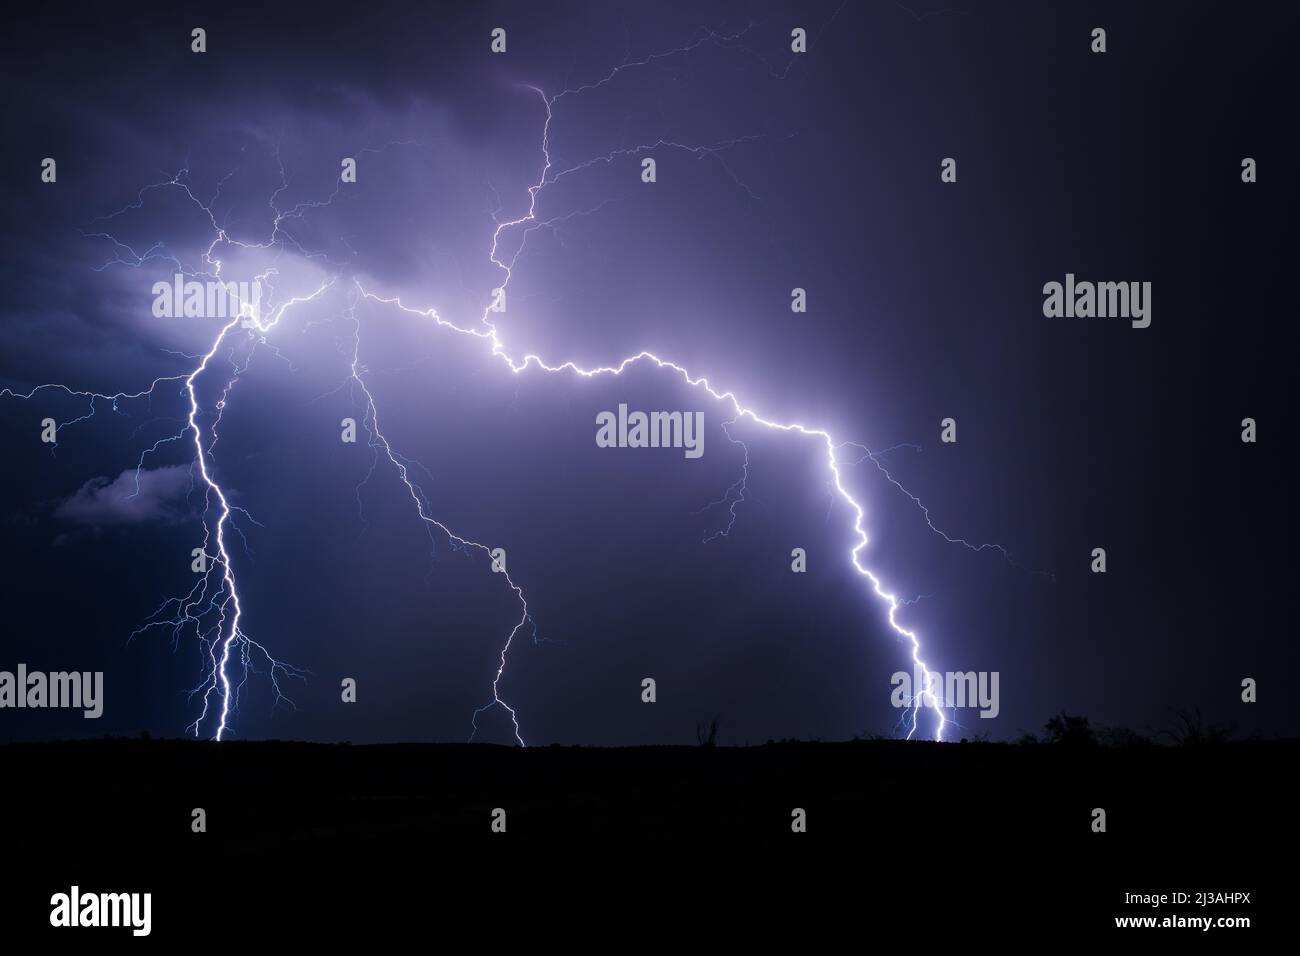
(380, 442)
(487, 331)
(213, 607)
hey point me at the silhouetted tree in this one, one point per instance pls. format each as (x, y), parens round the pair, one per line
(1190, 731)
(707, 735)
(1070, 731)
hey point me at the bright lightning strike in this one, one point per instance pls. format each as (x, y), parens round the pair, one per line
(213, 607)
(488, 331)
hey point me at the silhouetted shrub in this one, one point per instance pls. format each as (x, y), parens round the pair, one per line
(1189, 730)
(1068, 731)
(707, 736)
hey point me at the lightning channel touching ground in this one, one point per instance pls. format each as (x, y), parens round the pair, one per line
(487, 331)
(212, 608)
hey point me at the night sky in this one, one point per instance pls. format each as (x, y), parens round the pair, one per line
(774, 171)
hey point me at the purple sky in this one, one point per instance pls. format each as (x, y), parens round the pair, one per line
(773, 172)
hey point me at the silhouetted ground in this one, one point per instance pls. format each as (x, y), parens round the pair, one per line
(895, 830)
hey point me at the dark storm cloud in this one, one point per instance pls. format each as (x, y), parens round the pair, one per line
(152, 495)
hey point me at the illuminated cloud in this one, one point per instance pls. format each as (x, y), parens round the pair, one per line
(148, 496)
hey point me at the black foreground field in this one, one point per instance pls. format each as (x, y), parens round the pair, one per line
(330, 838)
